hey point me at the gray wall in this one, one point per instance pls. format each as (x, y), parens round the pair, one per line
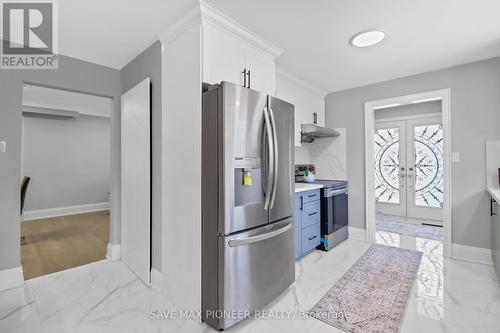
(408, 110)
(68, 160)
(475, 116)
(73, 75)
(148, 64)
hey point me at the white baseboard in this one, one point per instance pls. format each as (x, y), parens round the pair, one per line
(113, 252)
(357, 234)
(470, 253)
(11, 278)
(62, 211)
(156, 280)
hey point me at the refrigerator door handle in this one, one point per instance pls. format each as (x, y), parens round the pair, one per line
(258, 238)
(275, 152)
(269, 159)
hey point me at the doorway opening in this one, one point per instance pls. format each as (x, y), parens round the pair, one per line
(65, 185)
(408, 168)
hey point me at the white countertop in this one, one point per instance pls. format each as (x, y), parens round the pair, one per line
(301, 187)
(493, 191)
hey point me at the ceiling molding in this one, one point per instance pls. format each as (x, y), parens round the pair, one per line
(295, 79)
(190, 19)
(203, 13)
(215, 17)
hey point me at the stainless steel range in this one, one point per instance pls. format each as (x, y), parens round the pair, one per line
(247, 206)
(334, 213)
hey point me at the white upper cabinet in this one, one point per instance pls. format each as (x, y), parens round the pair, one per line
(232, 53)
(306, 99)
(261, 71)
(223, 56)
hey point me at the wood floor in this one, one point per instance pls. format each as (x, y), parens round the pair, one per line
(59, 243)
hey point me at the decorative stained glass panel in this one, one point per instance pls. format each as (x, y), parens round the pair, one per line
(387, 165)
(429, 165)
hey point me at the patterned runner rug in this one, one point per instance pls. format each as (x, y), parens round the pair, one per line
(372, 296)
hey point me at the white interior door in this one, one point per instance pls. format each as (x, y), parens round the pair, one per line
(390, 164)
(425, 168)
(136, 180)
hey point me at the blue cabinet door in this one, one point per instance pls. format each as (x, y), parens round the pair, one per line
(307, 222)
(298, 224)
(311, 212)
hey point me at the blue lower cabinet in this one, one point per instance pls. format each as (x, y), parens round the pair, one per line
(310, 237)
(307, 222)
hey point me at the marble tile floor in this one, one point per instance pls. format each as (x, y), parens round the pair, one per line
(448, 296)
(408, 226)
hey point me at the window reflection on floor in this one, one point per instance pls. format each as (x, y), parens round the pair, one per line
(429, 287)
(430, 280)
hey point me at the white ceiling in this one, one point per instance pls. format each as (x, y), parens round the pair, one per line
(113, 32)
(66, 100)
(422, 35)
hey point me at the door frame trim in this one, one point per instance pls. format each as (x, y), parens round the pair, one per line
(445, 96)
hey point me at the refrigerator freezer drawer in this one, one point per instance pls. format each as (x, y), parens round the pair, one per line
(257, 267)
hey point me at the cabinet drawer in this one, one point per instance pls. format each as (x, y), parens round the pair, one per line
(311, 195)
(311, 213)
(310, 237)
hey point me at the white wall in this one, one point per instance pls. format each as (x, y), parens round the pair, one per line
(181, 174)
(68, 160)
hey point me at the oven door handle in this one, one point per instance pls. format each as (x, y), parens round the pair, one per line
(331, 193)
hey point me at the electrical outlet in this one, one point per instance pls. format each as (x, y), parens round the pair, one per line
(455, 157)
(3, 146)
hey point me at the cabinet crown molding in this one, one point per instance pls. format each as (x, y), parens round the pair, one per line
(306, 84)
(203, 13)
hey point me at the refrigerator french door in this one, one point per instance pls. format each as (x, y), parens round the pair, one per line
(247, 208)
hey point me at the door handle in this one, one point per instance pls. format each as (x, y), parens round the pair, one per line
(301, 202)
(258, 238)
(311, 238)
(269, 159)
(492, 213)
(275, 157)
(311, 214)
(244, 77)
(248, 73)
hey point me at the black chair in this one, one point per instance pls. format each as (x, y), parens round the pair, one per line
(24, 189)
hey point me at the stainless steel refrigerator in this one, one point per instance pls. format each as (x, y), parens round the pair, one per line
(247, 204)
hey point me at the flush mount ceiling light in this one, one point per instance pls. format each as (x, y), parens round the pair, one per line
(367, 38)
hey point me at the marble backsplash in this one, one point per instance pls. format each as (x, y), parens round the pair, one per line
(329, 156)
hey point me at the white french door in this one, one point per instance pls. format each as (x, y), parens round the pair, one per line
(409, 168)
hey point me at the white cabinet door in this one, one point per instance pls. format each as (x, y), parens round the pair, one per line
(223, 56)
(305, 100)
(262, 70)
(320, 110)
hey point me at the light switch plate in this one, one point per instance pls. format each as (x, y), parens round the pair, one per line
(455, 157)
(3, 146)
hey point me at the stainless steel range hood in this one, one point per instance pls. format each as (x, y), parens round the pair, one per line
(310, 132)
